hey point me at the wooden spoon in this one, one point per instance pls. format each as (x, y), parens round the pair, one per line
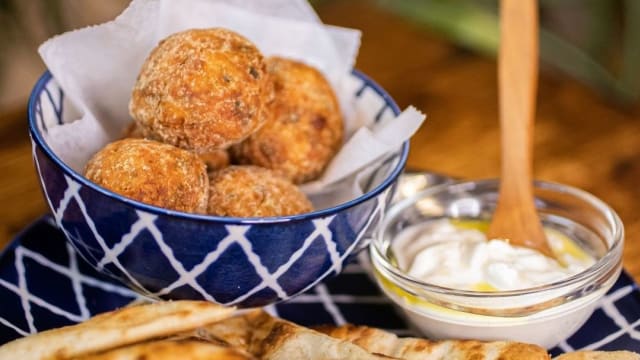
(515, 218)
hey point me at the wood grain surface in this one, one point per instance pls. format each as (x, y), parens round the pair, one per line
(580, 138)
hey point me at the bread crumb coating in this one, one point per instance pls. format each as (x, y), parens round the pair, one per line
(251, 191)
(201, 90)
(304, 127)
(153, 173)
(214, 159)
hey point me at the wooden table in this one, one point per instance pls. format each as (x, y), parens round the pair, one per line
(580, 140)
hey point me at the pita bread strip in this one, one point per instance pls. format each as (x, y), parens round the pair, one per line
(384, 342)
(117, 328)
(234, 332)
(266, 337)
(599, 355)
(170, 350)
(276, 339)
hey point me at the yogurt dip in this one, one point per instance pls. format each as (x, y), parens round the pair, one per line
(580, 227)
(457, 254)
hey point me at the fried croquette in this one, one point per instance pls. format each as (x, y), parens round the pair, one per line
(251, 191)
(132, 131)
(201, 90)
(153, 173)
(304, 127)
(214, 159)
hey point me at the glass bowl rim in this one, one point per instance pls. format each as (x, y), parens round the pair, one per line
(600, 268)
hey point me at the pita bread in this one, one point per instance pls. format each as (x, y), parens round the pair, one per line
(383, 342)
(266, 337)
(117, 328)
(170, 350)
(201, 330)
(235, 331)
(599, 355)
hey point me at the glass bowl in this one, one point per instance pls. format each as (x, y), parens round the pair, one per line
(544, 315)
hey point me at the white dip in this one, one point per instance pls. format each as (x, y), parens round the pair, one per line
(460, 257)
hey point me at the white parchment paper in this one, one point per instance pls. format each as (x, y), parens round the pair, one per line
(97, 67)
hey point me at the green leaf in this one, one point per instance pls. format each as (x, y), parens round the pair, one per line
(466, 23)
(630, 69)
(477, 28)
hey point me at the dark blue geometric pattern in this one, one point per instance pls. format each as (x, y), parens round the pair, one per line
(75, 291)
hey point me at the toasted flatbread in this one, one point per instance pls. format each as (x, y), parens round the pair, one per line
(117, 328)
(383, 342)
(235, 331)
(599, 355)
(269, 338)
(170, 350)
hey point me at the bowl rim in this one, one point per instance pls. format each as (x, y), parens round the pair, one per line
(601, 267)
(36, 137)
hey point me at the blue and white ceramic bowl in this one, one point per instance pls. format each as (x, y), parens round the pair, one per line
(174, 255)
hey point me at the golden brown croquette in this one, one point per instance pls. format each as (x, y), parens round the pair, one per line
(153, 173)
(304, 127)
(251, 191)
(201, 90)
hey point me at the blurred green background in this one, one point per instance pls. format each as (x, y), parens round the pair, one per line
(594, 41)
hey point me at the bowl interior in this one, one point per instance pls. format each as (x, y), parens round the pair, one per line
(49, 109)
(584, 218)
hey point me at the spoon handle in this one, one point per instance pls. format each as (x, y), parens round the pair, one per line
(517, 84)
(515, 217)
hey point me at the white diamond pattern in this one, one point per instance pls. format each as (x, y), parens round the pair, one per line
(30, 298)
(380, 206)
(74, 273)
(8, 324)
(332, 303)
(72, 193)
(77, 280)
(236, 236)
(137, 227)
(74, 188)
(198, 269)
(177, 265)
(321, 228)
(267, 278)
(322, 225)
(23, 291)
(608, 306)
